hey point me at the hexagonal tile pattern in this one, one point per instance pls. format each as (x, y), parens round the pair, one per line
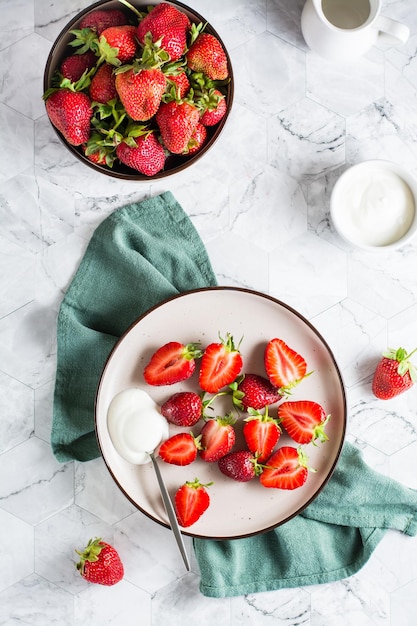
(16, 555)
(260, 200)
(305, 140)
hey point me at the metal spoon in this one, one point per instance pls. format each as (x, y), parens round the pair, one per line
(130, 433)
(170, 512)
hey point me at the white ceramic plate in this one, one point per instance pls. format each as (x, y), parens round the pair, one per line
(236, 509)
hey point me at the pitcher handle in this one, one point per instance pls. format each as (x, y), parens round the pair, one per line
(391, 31)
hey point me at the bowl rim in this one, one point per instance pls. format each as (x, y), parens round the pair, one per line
(130, 174)
(382, 164)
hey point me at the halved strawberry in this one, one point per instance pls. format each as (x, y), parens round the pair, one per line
(304, 420)
(217, 438)
(180, 449)
(286, 469)
(172, 363)
(284, 366)
(220, 365)
(240, 465)
(261, 433)
(254, 391)
(191, 501)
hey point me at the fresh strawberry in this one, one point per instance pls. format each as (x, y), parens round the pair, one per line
(177, 83)
(191, 501)
(118, 44)
(172, 363)
(177, 122)
(184, 408)
(261, 433)
(103, 84)
(254, 391)
(74, 66)
(215, 108)
(206, 55)
(99, 156)
(217, 438)
(197, 140)
(180, 449)
(284, 366)
(394, 374)
(99, 20)
(70, 112)
(100, 563)
(143, 153)
(141, 91)
(285, 469)
(220, 365)
(304, 420)
(168, 24)
(241, 465)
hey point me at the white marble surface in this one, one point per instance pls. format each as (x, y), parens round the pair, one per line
(260, 200)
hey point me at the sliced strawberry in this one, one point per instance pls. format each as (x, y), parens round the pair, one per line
(261, 433)
(304, 420)
(240, 465)
(191, 501)
(254, 391)
(284, 366)
(180, 449)
(286, 469)
(217, 438)
(220, 365)
(183, 408)
(172, 363)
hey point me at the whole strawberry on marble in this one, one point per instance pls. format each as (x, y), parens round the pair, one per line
(394, 374)
(100, 563)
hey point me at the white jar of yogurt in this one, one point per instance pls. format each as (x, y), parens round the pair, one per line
(373, 205)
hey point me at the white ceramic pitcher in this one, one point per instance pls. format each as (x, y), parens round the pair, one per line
(343, 30)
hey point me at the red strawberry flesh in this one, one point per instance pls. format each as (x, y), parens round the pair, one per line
(171, 363)
(217, 438)
(180, 449)
(284, 366)
(220, 365)
(261, 433)
(304, 420)
(286, 469)
(191, 501)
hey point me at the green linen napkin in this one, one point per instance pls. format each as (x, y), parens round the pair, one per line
(140, 255)
(330, 540)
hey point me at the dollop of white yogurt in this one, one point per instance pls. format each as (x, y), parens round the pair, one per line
(136, 426)
(374, 207)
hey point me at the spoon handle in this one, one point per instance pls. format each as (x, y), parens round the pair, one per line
(170, 512)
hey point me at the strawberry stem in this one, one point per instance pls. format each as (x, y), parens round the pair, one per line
(90, 553)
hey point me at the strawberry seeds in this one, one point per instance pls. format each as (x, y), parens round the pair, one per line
(139, 88)
(245, 443)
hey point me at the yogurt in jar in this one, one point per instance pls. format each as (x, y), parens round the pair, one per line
(372, 204)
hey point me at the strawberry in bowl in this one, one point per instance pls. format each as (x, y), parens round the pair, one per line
(153, 83)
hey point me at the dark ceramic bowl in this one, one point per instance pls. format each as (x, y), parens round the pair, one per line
(174, 163)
